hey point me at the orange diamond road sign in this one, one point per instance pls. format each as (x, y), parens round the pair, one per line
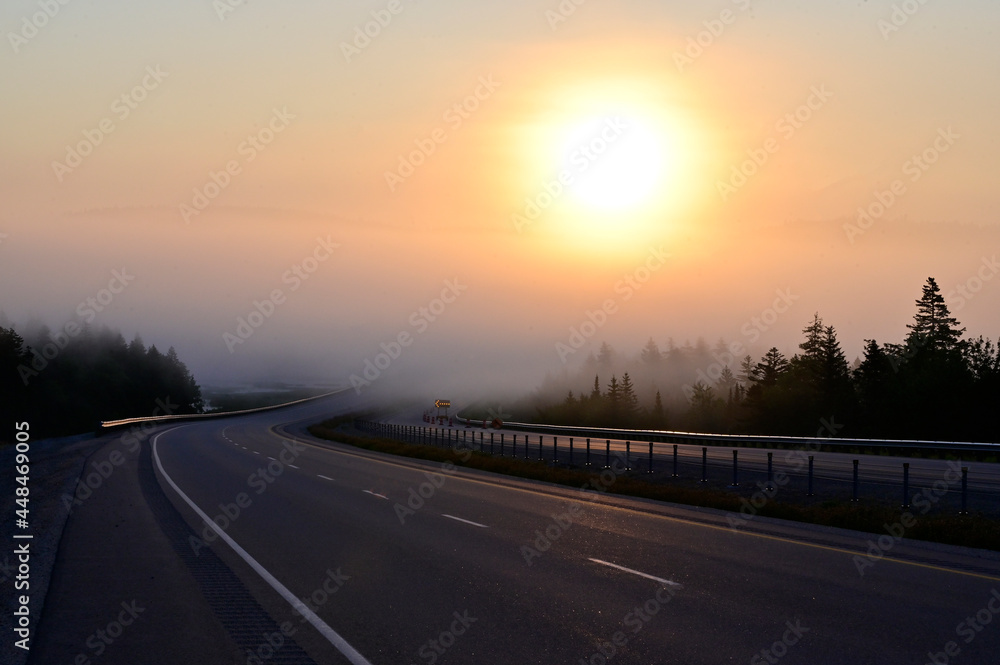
(442, 403)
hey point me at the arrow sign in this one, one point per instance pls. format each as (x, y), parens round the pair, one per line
(442, 403)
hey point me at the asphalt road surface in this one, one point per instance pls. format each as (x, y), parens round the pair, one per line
(323, 553)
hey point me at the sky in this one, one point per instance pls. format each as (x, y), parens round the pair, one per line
(460, 191)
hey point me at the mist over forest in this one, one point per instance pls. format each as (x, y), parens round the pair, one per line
(933, 384)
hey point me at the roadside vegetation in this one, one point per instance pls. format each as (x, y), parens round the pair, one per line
(934, 384)
(67, 383)
(974, 530)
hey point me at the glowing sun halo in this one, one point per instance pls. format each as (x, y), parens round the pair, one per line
(616, 163)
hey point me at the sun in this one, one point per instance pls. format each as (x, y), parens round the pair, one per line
(613, 162)
(606, 165)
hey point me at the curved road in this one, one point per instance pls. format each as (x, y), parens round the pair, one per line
(324, 553)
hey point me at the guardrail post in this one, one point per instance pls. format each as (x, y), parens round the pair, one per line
(736, 479)
(628, 455)
(513, 447)
(854, 496)
(965, 491)
(809, 492)
(650, 470)
(555, 450)
(770, 471)
(607, 454)
(906, 485)
(588, 452)
(491, 443)
(501, 444)
(480, 442)
(571, 451)
(704, 464)
(541, 437)
(674, 474)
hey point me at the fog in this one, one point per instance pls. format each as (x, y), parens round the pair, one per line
(469, 314)
(282, 200)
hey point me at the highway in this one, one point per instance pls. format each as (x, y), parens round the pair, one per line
(401, 561)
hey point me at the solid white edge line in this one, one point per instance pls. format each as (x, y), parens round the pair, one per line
(635, 572)
(325, 630)
(481, 526)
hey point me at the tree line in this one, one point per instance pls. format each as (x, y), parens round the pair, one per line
(66, 384)
(934, 384)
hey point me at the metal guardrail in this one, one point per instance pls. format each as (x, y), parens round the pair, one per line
(742, 440)
(595, 452)
(124, 422)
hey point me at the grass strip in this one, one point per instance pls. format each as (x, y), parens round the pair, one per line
(974, 530)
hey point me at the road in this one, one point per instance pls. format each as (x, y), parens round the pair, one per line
(402, 561)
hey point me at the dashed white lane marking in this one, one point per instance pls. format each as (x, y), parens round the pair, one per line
(293, 466)
(304, 611)
(255, 452)
(324, 477)
(381, 496)
(459, 519)
(271, 458)
(635, 572)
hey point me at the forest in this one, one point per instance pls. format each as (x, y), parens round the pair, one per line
(934, 384)
(66, 382)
